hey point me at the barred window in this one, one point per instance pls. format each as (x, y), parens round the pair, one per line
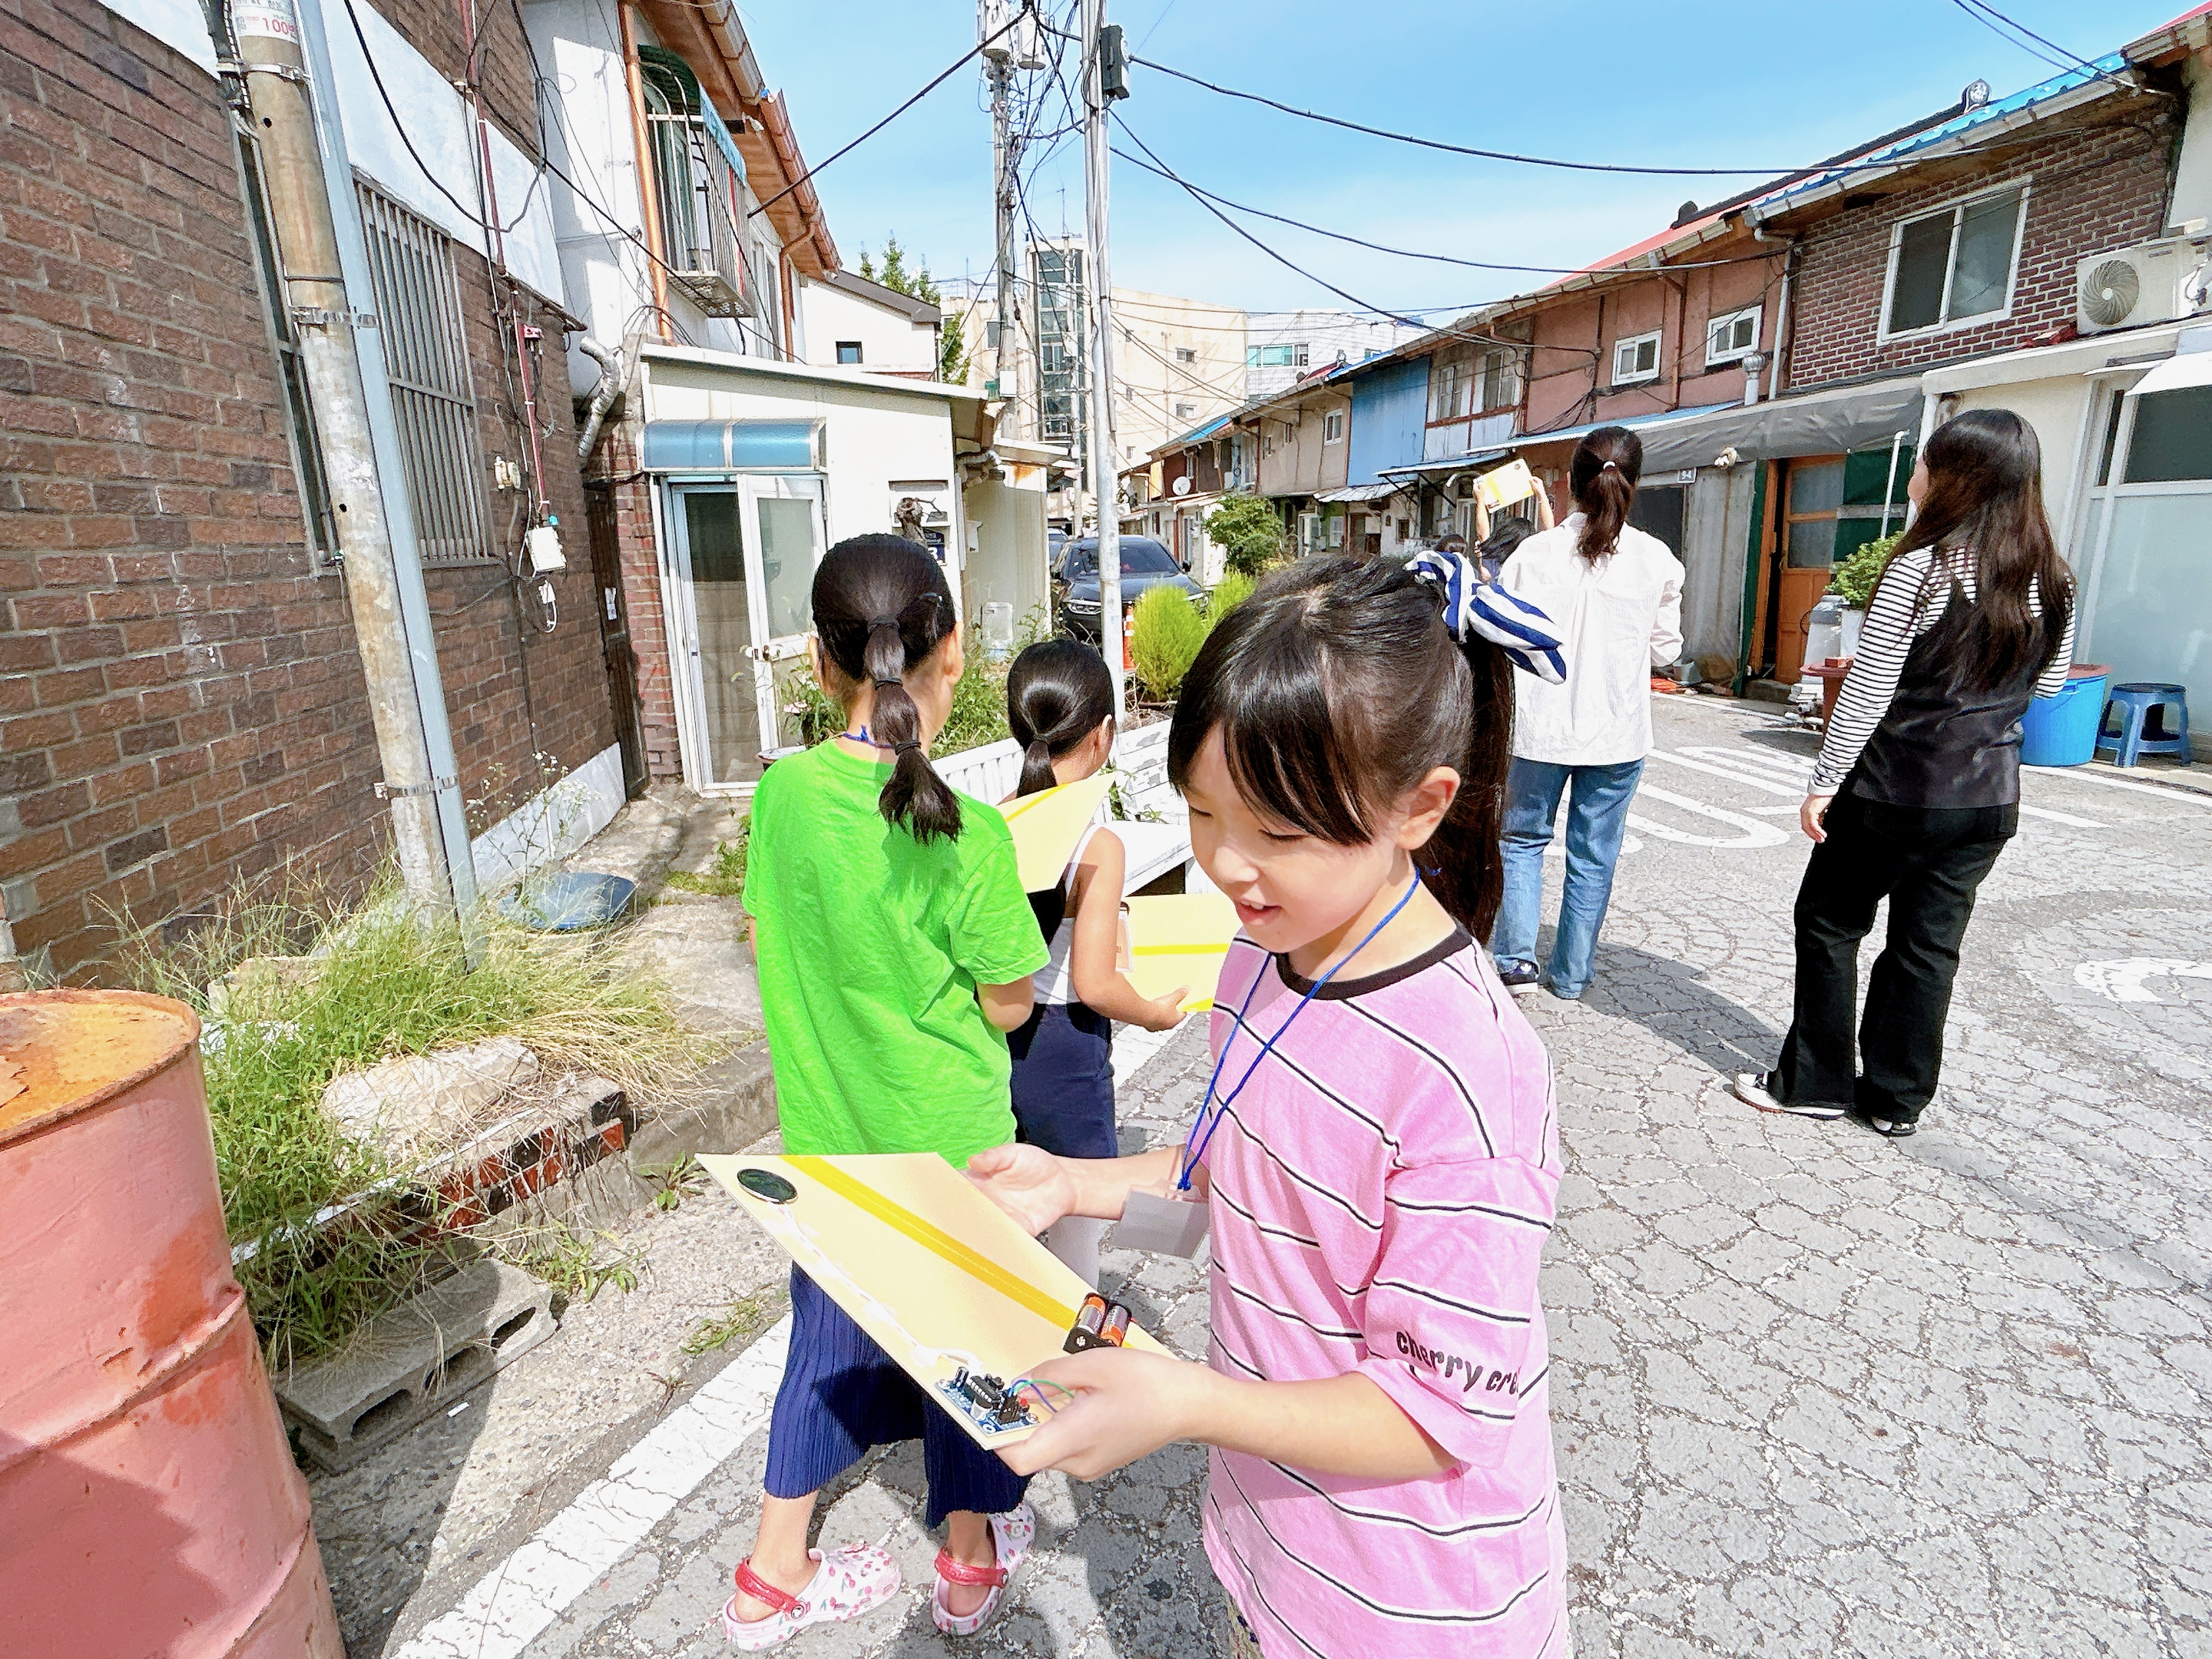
(418, 305)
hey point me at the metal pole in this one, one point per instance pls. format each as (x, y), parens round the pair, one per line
(1005, 157)
(1889, 489)
(285, 117)
(1103, 452)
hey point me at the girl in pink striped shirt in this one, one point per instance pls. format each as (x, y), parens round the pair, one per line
(1378, 1153)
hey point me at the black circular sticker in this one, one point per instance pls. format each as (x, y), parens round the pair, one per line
(767, 1184)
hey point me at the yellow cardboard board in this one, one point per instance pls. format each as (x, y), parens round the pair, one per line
(1512, 482)
(1046, 825)
(927, 1265)
(1180, 939)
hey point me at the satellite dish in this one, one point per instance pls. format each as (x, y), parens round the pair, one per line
(1976, 94)
(1181, 486)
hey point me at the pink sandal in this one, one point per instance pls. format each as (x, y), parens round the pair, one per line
(1011, 1536)
(849, 1583)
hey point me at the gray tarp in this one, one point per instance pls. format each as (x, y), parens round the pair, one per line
(1817, 423)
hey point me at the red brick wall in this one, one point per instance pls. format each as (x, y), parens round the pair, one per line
(439, 30)
(615, 468)
(2093, 188)
(181, 702)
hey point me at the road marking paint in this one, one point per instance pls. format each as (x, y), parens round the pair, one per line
(519, 1599)
(1723, 765)
(1755, 833)
(2078, 775)
(2123, 981)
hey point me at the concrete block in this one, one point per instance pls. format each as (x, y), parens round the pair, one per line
(416, 1359)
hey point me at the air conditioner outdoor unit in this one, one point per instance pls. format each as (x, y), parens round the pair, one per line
(2160, 281)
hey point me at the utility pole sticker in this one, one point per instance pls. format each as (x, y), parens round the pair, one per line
(274, 18)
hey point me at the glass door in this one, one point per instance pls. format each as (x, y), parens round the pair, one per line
(742, 569)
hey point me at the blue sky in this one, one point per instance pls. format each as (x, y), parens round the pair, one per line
(1682, 83)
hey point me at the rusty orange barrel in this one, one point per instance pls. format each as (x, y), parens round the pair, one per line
(149, 1504)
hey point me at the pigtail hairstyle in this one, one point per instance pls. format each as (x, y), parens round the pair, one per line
(1602, 477)
(881, 609)
(1058, 693)
(1985, 495)
(1336, 688)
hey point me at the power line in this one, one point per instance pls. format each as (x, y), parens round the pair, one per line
(935, 81)
(2069, 62)
(1413, 253)
(1841, 164)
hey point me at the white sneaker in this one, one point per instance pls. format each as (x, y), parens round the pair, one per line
(1751, 1088)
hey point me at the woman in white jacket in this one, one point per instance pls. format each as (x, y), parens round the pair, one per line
(1615, 595)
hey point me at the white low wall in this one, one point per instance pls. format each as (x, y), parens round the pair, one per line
(552, 824)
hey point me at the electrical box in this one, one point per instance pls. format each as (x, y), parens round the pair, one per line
(542, 547)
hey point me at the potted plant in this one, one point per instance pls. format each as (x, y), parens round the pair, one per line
(1852, 581)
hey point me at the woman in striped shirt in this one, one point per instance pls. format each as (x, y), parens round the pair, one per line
(1917, 787)
(1379, 1155)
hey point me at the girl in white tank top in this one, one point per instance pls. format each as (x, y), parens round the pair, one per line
(1060, 704)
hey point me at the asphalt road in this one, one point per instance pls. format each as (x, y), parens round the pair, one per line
(1815, 1392)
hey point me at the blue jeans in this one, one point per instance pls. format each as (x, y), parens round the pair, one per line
(1597, 817)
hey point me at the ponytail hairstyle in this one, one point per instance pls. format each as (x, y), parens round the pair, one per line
(1058, 693)
(1336, 688)
(1602, 479)
(1985, 495)
(881, 609)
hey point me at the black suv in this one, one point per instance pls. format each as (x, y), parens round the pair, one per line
(1146, 564)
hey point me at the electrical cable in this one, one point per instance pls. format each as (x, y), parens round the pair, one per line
(935, 81)
(2066, 61)
(400, 127)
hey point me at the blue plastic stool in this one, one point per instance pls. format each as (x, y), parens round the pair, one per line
(2136, 705)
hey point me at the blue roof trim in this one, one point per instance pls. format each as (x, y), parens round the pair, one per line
(732, 446)
(2111, 64)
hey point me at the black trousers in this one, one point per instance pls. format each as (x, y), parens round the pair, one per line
(1928, 862)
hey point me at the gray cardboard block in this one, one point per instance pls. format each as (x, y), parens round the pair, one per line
(416, 1359)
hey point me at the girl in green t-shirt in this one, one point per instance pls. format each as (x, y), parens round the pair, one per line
(895, 947)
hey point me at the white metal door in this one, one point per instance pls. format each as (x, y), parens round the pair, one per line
(785, 540)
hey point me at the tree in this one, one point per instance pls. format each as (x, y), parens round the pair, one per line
(1248, 532)
(951, 348)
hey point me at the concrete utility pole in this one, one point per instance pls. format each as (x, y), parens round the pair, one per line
(1104, 78)
(277, 89)
(1006, 157)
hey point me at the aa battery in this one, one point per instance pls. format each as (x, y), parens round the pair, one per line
(1092, 1318)
(1115, 1329)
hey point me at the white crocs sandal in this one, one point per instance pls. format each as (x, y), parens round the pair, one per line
(849, 1583)
(1012, 1534)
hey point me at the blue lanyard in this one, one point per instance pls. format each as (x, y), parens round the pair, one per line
(1209, 1114)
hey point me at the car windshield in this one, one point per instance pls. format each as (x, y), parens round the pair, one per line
(1141, 556)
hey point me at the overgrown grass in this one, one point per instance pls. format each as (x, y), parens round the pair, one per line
(1167, 630)
(352, 987)
(724, 878)
(740, 1319)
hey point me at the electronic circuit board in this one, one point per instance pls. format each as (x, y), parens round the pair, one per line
(984, 1399)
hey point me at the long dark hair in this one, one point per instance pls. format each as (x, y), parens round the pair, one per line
(881, 608)
(1336, 688)
(1603, 478)
(1058, 693)
(1985, 494)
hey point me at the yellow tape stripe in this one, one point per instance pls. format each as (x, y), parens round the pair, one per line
(934, 1238)
(1202, 949)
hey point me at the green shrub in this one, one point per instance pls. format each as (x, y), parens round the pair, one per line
(979, 706)
(1249, 533)
(1231, 590)
(1169, 631)
(1854, 578)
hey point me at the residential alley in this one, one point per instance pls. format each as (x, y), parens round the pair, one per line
(1814, 1391)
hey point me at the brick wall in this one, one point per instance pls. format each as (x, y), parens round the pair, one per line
(616, 470)
(439, 30)
(2094, 188)
(181, 703)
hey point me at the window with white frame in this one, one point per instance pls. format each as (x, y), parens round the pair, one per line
(1636, 358)
(1732, 338)
(1186, 354)
(1956, 265)
(418, 303)
(1332, 427)
(1451, 385)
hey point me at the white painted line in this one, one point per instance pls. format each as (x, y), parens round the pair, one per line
(2080, 774)
(2123, 981)
(515, 1602)
(2027, 811)
(1135, 1046)
(1755, 834)
(1795, 791)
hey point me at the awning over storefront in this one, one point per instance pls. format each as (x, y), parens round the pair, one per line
(1817, 423)
(732, 446)
(1641, 424)
(1455, 463)
(2176, 374)
(1374, 492)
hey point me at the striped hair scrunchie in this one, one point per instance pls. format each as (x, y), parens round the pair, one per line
(1476, 609)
